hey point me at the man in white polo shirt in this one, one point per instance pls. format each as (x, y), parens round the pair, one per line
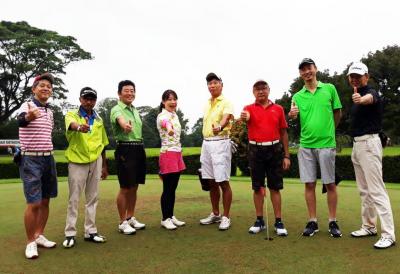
(216, 151)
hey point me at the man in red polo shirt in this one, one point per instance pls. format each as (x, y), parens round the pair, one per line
(268, 153)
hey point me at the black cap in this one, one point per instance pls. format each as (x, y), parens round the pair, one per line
(306, 61)
(88, 92)
(260, 81)
(212, 76)
(44, 76)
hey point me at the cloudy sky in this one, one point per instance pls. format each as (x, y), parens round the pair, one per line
(173, 44)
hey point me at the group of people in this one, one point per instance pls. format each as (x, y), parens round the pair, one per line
(317, 105)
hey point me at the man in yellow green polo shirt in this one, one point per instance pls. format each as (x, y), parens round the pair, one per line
(319, 107)
(86, 155)
(216, 151)
(130, 156)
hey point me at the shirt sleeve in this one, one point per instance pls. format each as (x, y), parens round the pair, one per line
(228, 108)
(115, 113)
(282, 122)
(336, 104)
(69, 118)
(104, 136)
(22, 122)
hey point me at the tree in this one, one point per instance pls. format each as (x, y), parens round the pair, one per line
(25, 52)
(58, 134)
(384, 71)
(195, 138)
(104, 110)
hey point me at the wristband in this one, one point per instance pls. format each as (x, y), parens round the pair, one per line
(79, 128)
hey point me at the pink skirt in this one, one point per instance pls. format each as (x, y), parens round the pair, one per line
(171, 162)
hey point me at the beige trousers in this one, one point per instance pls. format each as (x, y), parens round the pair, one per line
(367, 162)
(83, 177)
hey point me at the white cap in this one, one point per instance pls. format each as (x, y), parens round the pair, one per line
(358, 68)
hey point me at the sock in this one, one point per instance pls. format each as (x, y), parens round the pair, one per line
(313, 220)
(332, 219)
(278, 220)
(260, 218)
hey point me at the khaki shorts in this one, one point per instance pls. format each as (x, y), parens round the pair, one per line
(308, 160)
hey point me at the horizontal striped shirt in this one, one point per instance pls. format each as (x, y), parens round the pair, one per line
(36, 136)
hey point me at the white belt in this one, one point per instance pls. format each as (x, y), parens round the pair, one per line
(37, 153)
(364, 137)
(264, 143)
(216, 138)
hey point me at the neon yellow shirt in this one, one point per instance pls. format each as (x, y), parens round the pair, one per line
(84, 148)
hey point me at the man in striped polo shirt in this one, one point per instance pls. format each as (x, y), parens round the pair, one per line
(37, 168)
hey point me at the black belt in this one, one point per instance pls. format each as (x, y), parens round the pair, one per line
(130, 143)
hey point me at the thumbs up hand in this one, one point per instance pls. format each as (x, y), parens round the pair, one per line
(294, 110)
(127, 127)
(245, 115)
(356, 97)
(84, 127)
(32, 113)
(216, 130)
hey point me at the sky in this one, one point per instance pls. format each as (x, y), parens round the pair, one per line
(173, 44)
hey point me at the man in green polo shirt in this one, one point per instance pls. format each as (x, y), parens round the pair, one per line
(86, 155)
(319, 107)
(130, 156)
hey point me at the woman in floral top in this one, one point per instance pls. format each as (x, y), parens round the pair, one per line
(170, 161)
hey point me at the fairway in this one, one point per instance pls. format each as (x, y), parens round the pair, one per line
(195, 248)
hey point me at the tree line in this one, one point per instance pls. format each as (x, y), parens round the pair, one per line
(26, 51)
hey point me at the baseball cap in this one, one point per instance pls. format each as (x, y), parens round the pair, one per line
(44, 76)
(212, 76)
(260, 81)
(88, 92)
(358, 68)
(306, 61)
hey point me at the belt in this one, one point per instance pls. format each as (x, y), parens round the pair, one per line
(37, 153)
(364, 137)
(130, 143)
(211, 139)
(264, 143)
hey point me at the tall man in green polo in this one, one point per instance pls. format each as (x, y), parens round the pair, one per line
(130, 156)
(319, 107)
(86, 155)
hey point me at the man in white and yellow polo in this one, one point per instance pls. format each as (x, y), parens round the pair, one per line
(216, 151)
(86, 155)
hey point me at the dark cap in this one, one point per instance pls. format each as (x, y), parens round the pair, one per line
(260, 81)
(212, 76)
(44, 76)
(306, 61)
(88, 92)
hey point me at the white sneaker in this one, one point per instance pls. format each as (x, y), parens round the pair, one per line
(167, 223)
(136, 224)
(176, 222)
(69, 241)
(212, 218)
(43, 242)
(384, 243)
(363, 232)
(225, 223)
(257, 227)
(31, 250)
(126, 229)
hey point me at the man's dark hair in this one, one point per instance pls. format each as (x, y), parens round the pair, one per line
(125, 83)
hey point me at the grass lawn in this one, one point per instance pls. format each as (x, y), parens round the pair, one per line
(196, 248)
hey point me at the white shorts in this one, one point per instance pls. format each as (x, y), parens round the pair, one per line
(215, 158)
